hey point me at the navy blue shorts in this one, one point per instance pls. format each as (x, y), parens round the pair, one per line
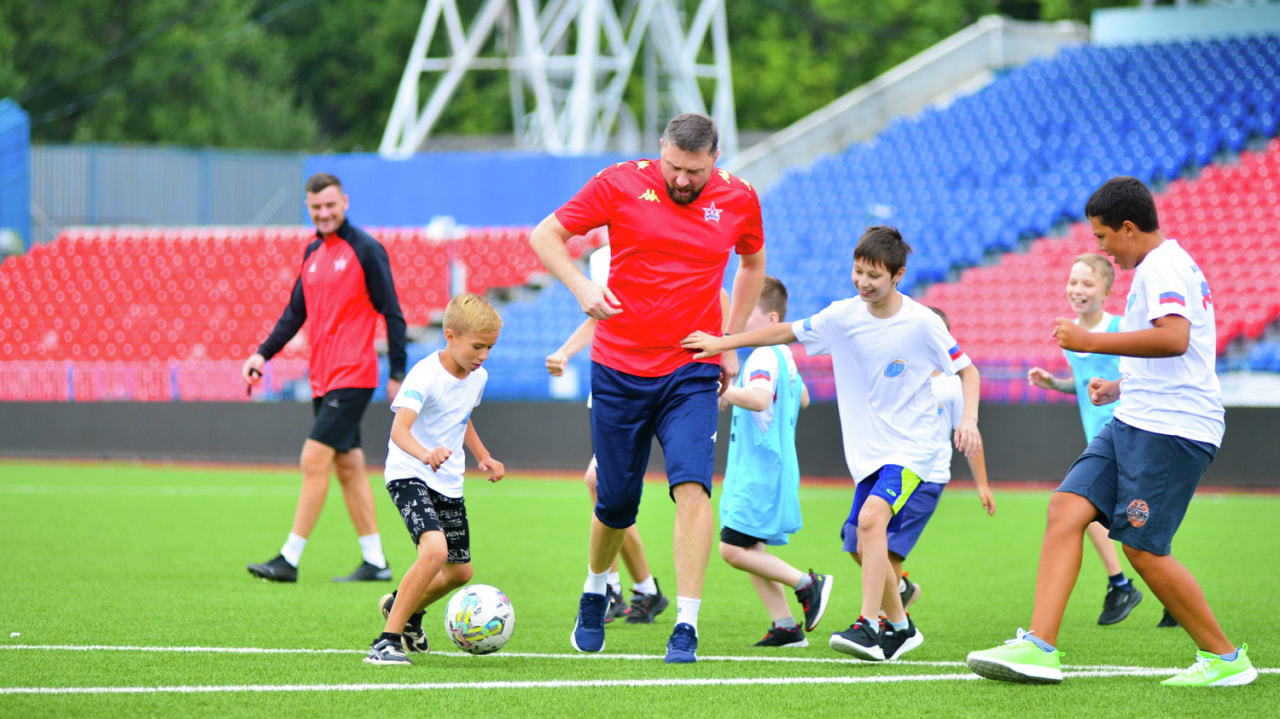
(338, 416)
(627, 411)
(912, 518)
(1141, 482)
(898, 487)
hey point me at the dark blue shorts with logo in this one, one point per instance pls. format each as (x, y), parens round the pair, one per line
(628, 411)
(1141, 482)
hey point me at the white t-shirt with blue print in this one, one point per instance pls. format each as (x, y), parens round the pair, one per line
(443, 403)
(888, 414)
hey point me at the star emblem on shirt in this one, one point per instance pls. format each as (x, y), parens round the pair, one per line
(711, 213)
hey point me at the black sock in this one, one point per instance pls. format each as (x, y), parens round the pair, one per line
(1119, 581)
(391, 637)
(415, 619)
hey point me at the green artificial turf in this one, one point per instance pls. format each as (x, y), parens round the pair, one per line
(138, 572)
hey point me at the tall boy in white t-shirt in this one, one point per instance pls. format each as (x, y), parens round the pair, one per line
(884, 346)
(424, 471)
(1139, 472)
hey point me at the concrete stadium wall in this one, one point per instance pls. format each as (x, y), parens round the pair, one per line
(1023, 442)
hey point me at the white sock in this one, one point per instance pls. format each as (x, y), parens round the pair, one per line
(595, 583)
(648, 586)
(371, 548)
(292, 549)
(615, 581)
(687, 611)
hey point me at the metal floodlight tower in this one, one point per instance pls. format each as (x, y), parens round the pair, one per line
(573, 59)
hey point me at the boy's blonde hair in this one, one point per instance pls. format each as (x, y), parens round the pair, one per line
(773, 297)
(471, 313)
(1099, 264)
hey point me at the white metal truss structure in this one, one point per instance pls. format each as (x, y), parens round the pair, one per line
(572, 59)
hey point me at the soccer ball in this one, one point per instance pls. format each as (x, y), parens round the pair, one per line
(479, 619)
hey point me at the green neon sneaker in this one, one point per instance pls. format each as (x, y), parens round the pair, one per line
(1210, 670)
(1019, 660)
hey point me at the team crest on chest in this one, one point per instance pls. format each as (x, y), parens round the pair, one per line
(340, 264)
(711, 213)
(895, 368)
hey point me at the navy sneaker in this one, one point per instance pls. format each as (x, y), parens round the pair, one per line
(1167, 621)
(276, 569)
(1119, 603)
(644, 607)
(588, 629)
(367, 572)
(896, 642)
(859, 640)
(814, 599)
(778, 637)
(682, 647)
(388, 653)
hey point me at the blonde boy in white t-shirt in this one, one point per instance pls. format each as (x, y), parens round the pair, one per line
(424, 471)
(884, 346)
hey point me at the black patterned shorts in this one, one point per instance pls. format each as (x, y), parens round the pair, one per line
(426, 510)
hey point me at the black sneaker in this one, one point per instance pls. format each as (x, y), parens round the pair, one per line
(909, 590)
(1119, 603)
(779, 637)
(814, 599)
(894, 643)
(386, 652)
(1167, 621)
(276, 569)
(644, 607)
(412, 638)
(367, 572)
(617, 607)
(859, 640)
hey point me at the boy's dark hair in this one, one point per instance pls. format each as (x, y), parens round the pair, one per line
(883, 245)
(1123, 198)
(773, 297)
(693, 132)
(945, 319)
(321, 180)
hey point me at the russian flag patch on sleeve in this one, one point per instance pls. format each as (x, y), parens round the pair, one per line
(760, 374)
(1172, 298)
(955, 352)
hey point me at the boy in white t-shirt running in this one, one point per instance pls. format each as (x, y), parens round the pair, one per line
(884, 346)
(915, 515)
(1088, 287)
(1140, 471)
(424, 471)
(760, 503)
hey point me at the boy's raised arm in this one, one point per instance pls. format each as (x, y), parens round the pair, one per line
(710, 346)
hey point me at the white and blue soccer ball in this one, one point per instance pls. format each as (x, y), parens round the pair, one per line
(479, 619)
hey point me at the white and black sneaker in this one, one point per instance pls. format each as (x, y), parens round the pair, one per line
(367, 572)
(412, 637)
(386, 652)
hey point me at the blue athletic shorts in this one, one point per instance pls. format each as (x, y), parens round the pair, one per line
(1141, 482)
(893, 483)
(627, 411)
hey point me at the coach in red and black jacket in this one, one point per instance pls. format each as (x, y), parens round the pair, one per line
(343, 284)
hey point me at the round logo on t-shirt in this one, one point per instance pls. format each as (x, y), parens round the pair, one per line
(895, 368)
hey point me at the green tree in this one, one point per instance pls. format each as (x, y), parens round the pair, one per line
(153, 71)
